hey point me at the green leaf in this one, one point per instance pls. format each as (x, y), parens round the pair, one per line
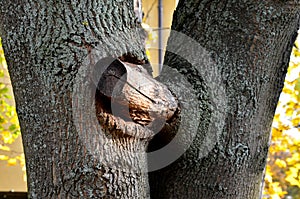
(4, 90)
(2, 119)
(17, 133)
(297, 85)
(7, 96)
(12, 127)
(1, 72)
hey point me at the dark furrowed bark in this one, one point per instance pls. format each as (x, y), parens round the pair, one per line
(52, 48)
(249, 43)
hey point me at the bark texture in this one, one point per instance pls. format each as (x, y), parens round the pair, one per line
(52, 49)
(249, 43)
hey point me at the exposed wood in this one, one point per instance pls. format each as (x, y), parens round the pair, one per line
(128, 98)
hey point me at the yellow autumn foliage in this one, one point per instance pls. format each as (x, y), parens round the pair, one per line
(9, 124)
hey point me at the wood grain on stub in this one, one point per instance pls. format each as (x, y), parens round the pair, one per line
(131, 103)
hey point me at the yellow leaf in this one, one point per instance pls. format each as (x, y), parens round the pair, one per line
(268, 178)
(275, 190)
(276, 117)
(4, 157)
(12, 162)
(297, 166)
(296, 53)
(7, 137)
(296, 121)
(289, 112)
(293, 181)
(276, 132)
(280, 163)
(4, 148)
(287, 91)
(15, 120)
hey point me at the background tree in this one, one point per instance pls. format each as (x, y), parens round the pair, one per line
(54, 83)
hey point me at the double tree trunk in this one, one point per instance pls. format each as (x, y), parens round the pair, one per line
(226, 69)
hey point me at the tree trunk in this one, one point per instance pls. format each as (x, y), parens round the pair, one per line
(227, 70)
(235, 56)
(55, 52)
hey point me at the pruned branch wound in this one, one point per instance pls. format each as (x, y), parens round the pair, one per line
(129, 102)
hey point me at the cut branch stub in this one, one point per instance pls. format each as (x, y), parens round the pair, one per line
(129, 102)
